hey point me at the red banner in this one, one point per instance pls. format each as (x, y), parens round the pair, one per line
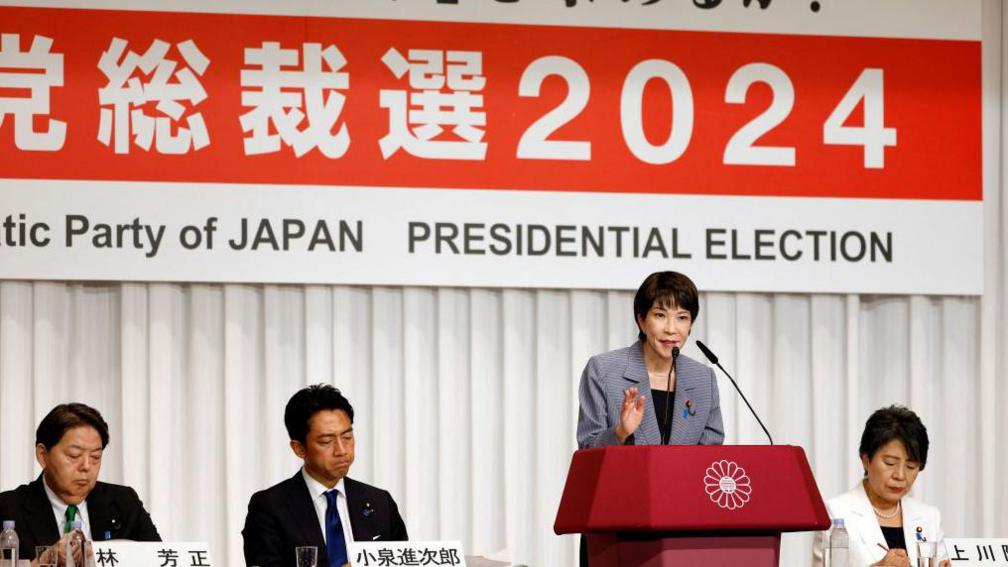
(308, 100)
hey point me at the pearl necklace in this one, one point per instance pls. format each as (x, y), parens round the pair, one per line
(896, 510)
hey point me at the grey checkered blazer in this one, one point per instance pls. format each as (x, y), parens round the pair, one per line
(608, 375)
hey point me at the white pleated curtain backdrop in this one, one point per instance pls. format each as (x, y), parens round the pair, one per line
(466, 399)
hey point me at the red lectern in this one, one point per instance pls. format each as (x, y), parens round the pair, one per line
(715, 506)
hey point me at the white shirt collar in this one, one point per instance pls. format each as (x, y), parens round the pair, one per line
(60, 507)
(316, 488)
(317, 491)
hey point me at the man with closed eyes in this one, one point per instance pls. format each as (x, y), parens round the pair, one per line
(319, 506)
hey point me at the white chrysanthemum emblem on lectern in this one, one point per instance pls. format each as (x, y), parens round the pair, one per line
(727, 484)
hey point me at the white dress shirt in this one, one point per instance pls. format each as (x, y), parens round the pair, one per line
(59, 508)
(317, 491)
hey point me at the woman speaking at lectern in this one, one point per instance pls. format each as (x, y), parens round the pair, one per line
(648, 393)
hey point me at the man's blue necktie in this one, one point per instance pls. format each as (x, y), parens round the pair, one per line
(335, 544)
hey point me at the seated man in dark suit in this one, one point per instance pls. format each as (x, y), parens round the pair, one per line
(319, 506)
(68, 445)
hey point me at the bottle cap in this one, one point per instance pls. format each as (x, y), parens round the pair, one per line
(8, 524)
(838, 522)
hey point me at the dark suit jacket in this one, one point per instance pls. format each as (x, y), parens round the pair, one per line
(114, 512)
(283, 517)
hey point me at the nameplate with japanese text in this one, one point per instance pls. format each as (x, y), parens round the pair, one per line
(405, 554)
(982, 552)
(151, 554)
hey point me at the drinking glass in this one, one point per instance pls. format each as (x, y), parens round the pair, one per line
(46, 557)
(927, 554)
(307, 556)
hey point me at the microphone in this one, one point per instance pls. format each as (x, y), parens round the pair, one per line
(714, 360)
(668, 399)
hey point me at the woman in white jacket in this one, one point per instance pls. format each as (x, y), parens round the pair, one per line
(883, 523)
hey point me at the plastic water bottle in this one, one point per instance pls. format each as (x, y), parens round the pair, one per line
(75, 541)
(838, 543)
(9, 545)
(822, 546)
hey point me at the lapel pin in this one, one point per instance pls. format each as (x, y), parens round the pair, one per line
(920, 534)
(368, 510)
(690, 410)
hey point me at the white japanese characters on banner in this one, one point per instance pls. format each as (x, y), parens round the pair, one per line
(47, 72)
(126, 94)
(414, 129)
(277, 107)
(823, 147)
